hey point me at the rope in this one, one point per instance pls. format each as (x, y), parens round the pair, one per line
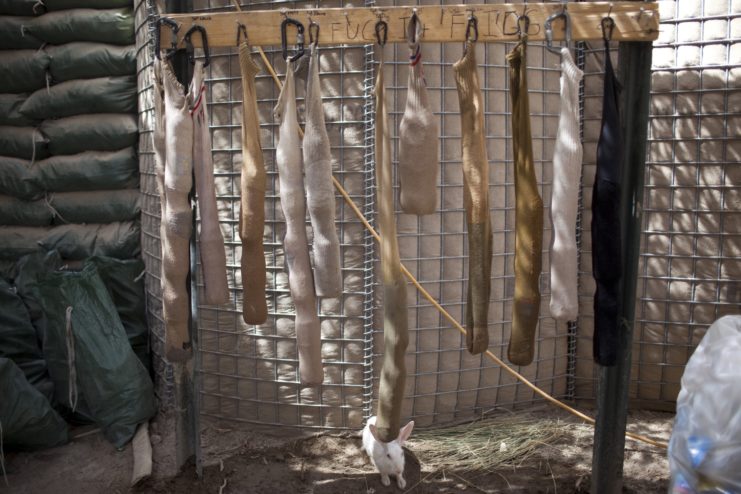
(72, 384)
(2, 456)
(440, 308)
(47, 202)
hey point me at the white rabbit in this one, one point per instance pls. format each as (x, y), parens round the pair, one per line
(388, 458)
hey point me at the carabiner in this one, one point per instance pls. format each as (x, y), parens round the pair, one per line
(189, 44)
(299, 38)
(157, 38)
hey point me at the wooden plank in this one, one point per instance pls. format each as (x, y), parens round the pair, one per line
(634, 21)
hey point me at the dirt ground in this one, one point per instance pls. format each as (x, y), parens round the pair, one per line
(245, 461)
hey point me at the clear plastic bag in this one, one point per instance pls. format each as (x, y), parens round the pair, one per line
(705, 447)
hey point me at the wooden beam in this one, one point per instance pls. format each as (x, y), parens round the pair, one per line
(634, 21)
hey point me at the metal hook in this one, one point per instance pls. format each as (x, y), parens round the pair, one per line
(564, 14)
(174, 43)
(520, 19)
(382, 29)
(299, 38)
(313, 32)
(412, 30)
(195, 28)
(608, 26)
(473, 22)
(241, 31)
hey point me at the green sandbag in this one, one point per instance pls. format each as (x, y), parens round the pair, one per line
(89, 170)
(88, 60)
(113, 382)
(97, 206)
(103, 132)
(13, 35)
(21, 7)
(18, 178)
(23, 142)
(18, 340)
(124, 281)
(23, 70)
(114, 26)
(9, 114)
(102, 95)
(28, 420)
(74, 242)
(28, 271)
(52, 5)
(15, 211)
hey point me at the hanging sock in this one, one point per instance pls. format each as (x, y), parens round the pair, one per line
(476, 200)
(395, 332)
(528, 216)
(418, 137)
(319, 190)
(177, 216)
(606, 239)
(210, 238)
(252, 202)
(567, 158)
(295, 243)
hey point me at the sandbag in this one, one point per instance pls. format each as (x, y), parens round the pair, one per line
(28, 420)
(13, 35)
(18, 340)
(124, 281)
(113, 382)
(103, 132)
(9, 114)
(89, 170)
(23, 70)
(28, 271)
(88, 60)
(115, 26)
(97, 206)
(23, 142)
(15, 211)
(77, 97)
(17, 178)
(74, 242)
(52, 5)
(21, 7)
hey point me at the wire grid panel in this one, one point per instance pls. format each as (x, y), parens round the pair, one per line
(690, 260)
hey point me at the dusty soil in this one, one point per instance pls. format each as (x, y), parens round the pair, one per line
(241, 461)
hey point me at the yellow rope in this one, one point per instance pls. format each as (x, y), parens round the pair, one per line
(439, 307)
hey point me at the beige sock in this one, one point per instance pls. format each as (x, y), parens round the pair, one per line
(295, 243)
(476, 200)
(319, 189)
(418, 138)
(395, 332)
(210, 238)
(252, 184)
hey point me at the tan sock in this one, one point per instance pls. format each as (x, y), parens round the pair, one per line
(418, 138)
(252, 185)
(476, 200)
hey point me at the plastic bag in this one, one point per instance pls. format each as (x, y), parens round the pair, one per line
(705, 447)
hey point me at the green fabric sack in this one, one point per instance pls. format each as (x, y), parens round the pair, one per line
(13, 35)
(9, 114)
(18, 241)
(28, 420)
(89, 170)
(52, 5)
(113, 382)
(124, 280)
(77, 242)
(102, 95)
(23, 142)
(18, 340)
(88, 60)
(15, 211)
(114, 26)
(103, 132)
(17, 179)
(23, 70)
(21, 7)
(97, 206)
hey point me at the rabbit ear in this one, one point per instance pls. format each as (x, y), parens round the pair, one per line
(374, 431)
(405, 432)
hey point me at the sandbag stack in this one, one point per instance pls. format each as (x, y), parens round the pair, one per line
(68, 129)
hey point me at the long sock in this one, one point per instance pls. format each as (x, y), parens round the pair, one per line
(295, 243)
(210, 238)
(319, 190)
(476, 200)
(252, 204)
(418, 138)
(395, 332)
(567, 157)
(528, 217)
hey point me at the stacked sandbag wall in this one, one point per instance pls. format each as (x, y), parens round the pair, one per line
(68, 129)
